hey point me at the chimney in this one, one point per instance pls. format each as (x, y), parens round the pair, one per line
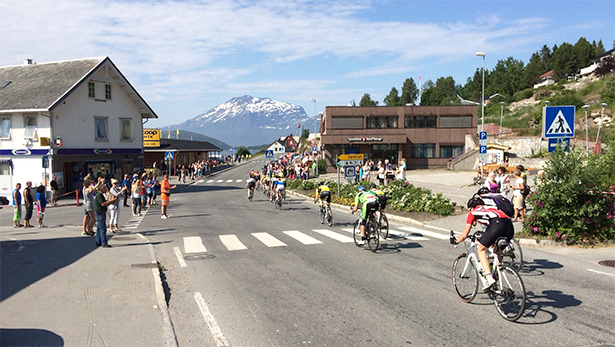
(27, 61)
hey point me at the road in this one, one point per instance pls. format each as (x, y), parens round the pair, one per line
(242, 273)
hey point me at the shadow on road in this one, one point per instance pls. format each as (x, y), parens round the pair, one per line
(536, 306)
(536, 267)
(29, 337)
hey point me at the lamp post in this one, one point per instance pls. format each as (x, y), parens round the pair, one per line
(604, 105)
(315, 114)
(482, 104)
(501, 116)
(586, 107)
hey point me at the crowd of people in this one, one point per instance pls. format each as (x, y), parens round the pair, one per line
(498, 181)
(31, 198)
(384, 172)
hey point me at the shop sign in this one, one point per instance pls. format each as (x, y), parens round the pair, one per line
(364, 139)
(151, 137)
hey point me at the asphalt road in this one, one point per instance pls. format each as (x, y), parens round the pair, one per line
(242, 273)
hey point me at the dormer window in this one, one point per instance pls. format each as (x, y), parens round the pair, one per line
(31, 126)
(100, 91)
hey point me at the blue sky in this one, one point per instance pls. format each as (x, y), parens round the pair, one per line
(186, 57)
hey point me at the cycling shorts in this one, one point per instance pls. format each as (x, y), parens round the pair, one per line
(368, 209)
(280, 187)
(498, 227)
(382, 199)
(325, 196)
(251, 185)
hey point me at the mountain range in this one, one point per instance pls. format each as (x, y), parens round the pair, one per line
(248, 121)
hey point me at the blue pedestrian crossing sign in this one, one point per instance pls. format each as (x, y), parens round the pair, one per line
(269, 153)
(168, 155)
(558, 121)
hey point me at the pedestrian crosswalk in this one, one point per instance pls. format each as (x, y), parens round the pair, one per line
(233, 242)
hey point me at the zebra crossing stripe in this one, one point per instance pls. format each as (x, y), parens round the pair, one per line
(301, 237)
(232, 243)
(333, 235)
(220, 181)
(209, 181)
(426, 233)
(413, 237)
(200, 181)
(229, 181)
(268, 240)
(194, 244)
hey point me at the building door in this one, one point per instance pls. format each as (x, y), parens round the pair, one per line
(382, 152)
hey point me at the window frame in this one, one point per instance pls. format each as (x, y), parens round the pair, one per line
(452, 149)
(10, 127)
(91, 89)
(108, 92)
(132, 130)
(105, 121)
(420, 122)
(421, 148)
(30, 128)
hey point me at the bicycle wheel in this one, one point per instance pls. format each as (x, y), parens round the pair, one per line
(509, 295)
(356, 233)
(373, 235)
(321, 215)
(383, 223)
(329, 216)
(280, 202)
(465, 278)
(513, 255)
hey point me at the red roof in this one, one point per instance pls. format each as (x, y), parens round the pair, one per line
(546, 74)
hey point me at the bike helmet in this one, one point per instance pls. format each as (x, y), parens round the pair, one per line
(475, 201)
(372, 186)
(321, 183)
(483, 190)
(361, 188)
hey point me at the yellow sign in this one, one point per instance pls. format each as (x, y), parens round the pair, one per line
(44, 141)
(350, 157)
(151, 135)
(151, 143)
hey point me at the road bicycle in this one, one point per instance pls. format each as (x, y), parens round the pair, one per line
(278, 200)
(508, 291)
(324, 214)
(372, 233)
(383, 225)
(512, 255)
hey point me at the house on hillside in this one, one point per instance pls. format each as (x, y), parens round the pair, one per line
(66, 119)
(545, 79)
(290, 143)
(586, 71)
(277, 147)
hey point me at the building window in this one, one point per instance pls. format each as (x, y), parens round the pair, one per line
(108, 91)
(126, 129)
(5, 128)
(101, 128)
(456, 122)
(423, 150)
(5, 168)
(381, 122)
(450, 151)
(91, 89)
(387, 147)
(420, 122)
(346, 122)
(30, 132)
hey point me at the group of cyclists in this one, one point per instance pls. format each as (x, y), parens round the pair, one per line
(272, 182)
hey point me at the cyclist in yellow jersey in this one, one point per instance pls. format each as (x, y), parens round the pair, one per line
(382, 198)
(323, 193)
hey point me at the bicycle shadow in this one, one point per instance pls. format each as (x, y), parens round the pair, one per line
(397, 247)
(536, 267)
(536, 306)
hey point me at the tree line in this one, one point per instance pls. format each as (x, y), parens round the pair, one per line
(509, 77)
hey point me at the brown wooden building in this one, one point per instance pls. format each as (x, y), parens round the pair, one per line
(427, 136)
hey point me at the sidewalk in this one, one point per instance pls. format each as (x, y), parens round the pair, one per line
(59, 289)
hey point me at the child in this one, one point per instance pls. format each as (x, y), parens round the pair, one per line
(41, 203)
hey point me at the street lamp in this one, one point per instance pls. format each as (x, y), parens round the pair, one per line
(586, 107)
(482, 104)
(604, 105)
(501, 115)
(315, 114)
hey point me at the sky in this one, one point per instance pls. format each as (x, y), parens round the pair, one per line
(186, 57)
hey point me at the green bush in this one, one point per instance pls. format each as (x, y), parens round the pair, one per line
(567, 97)
(322, 166)
(567, 204)
(523, 94)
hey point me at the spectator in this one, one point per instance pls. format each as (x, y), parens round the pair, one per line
(380, 173)
(504, 181)
(41, 203)
(491, 183)
(135, 190)
(17, 206)
(389, 175)
(55, 191)
(315, 168)
(89, 192)
(365, 173)
(518, 198)
(100, 208)
(165, 189)
(400, 173)
(29, 202)
(114, 208)
(126, 186)
(522, 170)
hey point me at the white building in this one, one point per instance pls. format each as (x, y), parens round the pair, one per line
(74, 117)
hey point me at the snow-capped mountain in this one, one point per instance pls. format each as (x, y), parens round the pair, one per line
(247, 120)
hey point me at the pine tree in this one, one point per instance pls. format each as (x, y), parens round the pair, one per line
(366, 100)
(409, 92)
(393, 98)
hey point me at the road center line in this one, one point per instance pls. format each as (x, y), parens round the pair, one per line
(600, 272)
(214, 328)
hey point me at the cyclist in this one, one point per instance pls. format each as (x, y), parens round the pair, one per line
(250, 185)
(323, 193)
(272, 186)
(280, 187)
(369, 205)
(257, 179)
(498, 225)
(382, 198)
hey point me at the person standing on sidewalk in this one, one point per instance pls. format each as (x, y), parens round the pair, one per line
(55, 190)
(518, 198)
(165, 189)
(126, 186)
(114, 208)
(17, 206)
(29, 202)
(100, 208)
(41, 203)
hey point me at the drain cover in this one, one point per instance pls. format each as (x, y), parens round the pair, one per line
(609, 263)
(144, 266)
(123, 238)
(199, 256)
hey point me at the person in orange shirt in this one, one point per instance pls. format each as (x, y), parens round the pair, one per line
(165, 189)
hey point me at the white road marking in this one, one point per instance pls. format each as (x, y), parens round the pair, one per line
(228, 181)
(194, 244)
(200, 181)
(426, 233)
(600, 272)
(209, 181)
(413, 237)
(334, 235)
(220, 181)
(214, 328)
(180, 257)
(268, 240)
(238, 180)
(301, 237)
(232, 243)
